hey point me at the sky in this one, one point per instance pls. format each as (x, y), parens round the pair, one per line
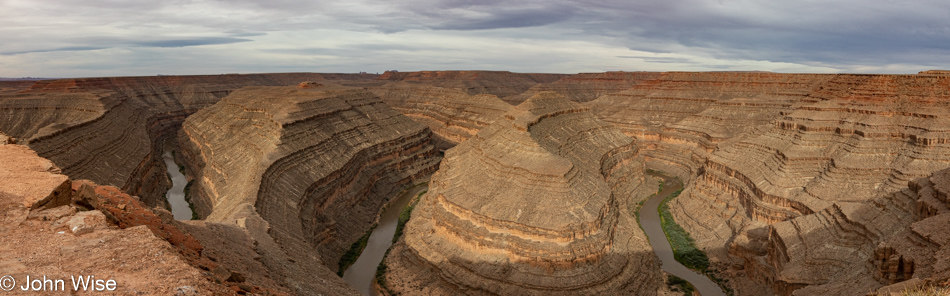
(88, 38)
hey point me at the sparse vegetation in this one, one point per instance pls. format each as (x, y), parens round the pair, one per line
(684, 249)
(678, 284)
(191, 205)
(354, 252)
(921, 291)
(403, 219)
(405, 214)
(636, 211)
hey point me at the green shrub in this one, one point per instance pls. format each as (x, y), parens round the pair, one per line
(403, 219)
(405, 215)
(684, 248)
(354, 252)
(678, 284)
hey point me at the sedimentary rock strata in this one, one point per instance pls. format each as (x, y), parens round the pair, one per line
(534, 204)
(112, 130)
(59, 227)
(775, 155)
(451, 114)
(45, 232)
(585, 87)
(787, 173)
(304, 170)
(497, 83)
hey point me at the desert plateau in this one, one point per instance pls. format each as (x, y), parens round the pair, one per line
(445, 147)
(492, 182)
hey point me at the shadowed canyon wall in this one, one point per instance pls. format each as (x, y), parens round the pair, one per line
(533, 204)
(767, 154)
(112, 130)
(763, 152)
(786, 173)
(304, 170)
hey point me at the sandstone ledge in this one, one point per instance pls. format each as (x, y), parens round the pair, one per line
(486, 226)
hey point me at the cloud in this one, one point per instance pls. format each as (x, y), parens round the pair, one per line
(190, 42)
(50, 36)
(660, 59)
(73, 48)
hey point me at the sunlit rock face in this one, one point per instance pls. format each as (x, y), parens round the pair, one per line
(789, 172)
(535, 203)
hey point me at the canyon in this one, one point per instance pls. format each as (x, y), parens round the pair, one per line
(533, 204)
(795, 184)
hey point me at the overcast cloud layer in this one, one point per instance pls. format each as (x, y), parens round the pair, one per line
(49, 38)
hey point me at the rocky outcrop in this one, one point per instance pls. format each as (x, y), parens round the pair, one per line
(451, 114)
(59, 227)
(782, 163)
(867, 245)
(497, 83)
(305, 171)
(50, 229)
(533, 204)
(586, 87)
(113, 130)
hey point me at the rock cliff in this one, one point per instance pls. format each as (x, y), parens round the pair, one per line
(497, 83)
(112, 130)
(58, 227)
(802, 168)
(787, 173)
(585, 87)
(304, 170)
(451, 114)
(533, 204)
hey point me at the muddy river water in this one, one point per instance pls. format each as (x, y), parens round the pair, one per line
(176, 195)
(650, 220)
(362, 272)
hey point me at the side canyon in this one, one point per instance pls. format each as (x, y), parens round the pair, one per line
(795, 184)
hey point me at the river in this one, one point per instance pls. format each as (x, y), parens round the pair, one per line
(362, 272)
(176, 195)
(650, 220)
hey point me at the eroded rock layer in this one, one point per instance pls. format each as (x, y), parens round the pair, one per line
(307, 169)
(112, 130)
(819, 158)
(585, 87)
(451, 114)
(497, 83)
(56, 228)
(61, 228)
(533, 204)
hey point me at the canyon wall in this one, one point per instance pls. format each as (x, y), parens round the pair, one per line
(786, 173)
(585, 87)
(451, 114)
(304, 170)
(534, 204)
(497, 83)
(59, 228)
(767, 154)
(112, 130)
